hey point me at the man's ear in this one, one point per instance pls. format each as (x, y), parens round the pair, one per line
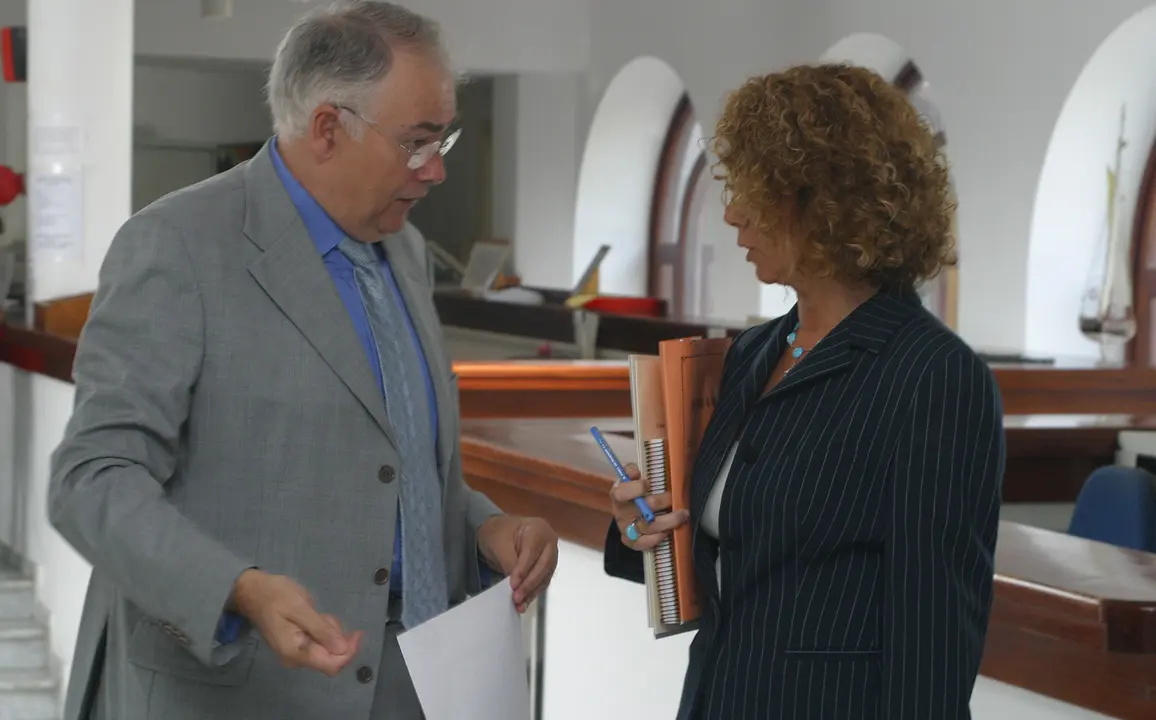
(324, 127)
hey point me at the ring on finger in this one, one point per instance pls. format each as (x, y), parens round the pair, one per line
(632, 533)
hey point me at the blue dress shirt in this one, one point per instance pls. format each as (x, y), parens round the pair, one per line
(326, 235)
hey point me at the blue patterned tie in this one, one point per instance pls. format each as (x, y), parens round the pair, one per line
(424, 593)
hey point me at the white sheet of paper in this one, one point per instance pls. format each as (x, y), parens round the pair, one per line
(470, 662)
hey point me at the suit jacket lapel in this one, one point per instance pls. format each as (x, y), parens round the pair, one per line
(831, 355)
(867, 329)
(741, 391)
(291, 272)
(746, 386)
(415, 290)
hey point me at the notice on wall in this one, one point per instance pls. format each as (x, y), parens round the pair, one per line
(56, 213)
(56, 194)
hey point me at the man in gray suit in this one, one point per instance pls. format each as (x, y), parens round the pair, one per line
(262, 465)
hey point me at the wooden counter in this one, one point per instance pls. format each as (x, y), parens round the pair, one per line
(1050, 456)
(36, 351)
(554, 322)
(1072, 619)
(558, 388)
(575, 388)
(601, 388)
(1028, 386)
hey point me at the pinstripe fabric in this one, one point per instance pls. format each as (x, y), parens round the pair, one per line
(857, 526)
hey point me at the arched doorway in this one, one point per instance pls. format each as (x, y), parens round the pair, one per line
(616, 182)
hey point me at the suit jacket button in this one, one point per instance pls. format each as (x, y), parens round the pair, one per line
(386, 474)
(364, 674)
(381, 577)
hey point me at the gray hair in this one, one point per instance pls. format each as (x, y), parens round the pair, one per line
(339, 54)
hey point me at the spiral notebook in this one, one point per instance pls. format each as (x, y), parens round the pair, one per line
(672, 398)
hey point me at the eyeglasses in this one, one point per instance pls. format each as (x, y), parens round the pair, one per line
(420, 156)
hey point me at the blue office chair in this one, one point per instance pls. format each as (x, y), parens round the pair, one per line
(1117, 505)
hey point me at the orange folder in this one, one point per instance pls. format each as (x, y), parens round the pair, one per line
(673, 396)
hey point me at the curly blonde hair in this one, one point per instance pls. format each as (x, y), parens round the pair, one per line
(871, 195)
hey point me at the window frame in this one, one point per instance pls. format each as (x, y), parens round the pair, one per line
(1140, 351)
(668, 213)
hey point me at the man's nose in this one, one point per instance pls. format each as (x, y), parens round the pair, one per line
(433, 172)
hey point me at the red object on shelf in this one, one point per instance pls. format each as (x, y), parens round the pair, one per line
(11, 185)
(14, 53)
(646, 307)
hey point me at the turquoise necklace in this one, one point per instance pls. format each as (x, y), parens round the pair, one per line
(796, 351)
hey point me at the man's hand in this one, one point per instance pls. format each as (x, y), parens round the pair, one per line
(283, 613)
(524, 549)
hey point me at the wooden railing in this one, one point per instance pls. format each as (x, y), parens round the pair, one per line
(560, 388)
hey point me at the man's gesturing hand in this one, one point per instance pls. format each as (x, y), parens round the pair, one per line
(283, 613)
(524, 549)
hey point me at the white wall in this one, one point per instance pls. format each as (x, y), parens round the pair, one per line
(504, 177)
(537, 151)
(43, 406)
(199, 103)
(1071, 199)
(999, 86)
(492, 36)
(602, 661)
(496, 36)
(11, 509)
(181, 111)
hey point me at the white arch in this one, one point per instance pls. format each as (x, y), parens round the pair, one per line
(616, 181)
(1071, 197)
(869, 50)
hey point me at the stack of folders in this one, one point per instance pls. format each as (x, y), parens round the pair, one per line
(672, 398)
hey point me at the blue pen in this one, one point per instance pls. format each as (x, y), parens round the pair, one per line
(647, 513)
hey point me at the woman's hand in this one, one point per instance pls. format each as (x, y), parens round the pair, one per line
(626, 513)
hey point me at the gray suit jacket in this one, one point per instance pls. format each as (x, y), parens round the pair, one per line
(226, 417)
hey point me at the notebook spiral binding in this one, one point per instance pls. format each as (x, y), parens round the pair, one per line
(656, 472)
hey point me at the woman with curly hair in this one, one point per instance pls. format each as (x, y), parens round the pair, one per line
(846, 495)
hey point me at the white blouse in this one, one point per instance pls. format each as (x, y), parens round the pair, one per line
(710, 513)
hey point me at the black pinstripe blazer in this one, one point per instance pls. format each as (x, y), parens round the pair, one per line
(858, 525)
